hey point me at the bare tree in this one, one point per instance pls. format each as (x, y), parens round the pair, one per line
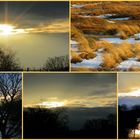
(60, 63)
(8, 61)
(10, 105)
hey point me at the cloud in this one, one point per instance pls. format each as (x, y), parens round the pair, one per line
(60, 26)
(134, 92)
(87, 101)
(128, 82)
(89, 90)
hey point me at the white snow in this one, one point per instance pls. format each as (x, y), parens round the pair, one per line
(127, 64)
(110, 21)
(73, 42)
(116, 40)
(74, 45)
(91, 63)
(123, 18)
(137, 36)
(86, 16)
(105, 15)
(77, 6)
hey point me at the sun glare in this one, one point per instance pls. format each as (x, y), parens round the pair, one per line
(51, 104)
(6, 29)
(135, 93)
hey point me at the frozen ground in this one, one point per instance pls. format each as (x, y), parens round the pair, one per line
(127, 64)
(137, 36)
(110, 21)
(109, 16)
(77, 6)
(86, 16)
(123, 18)
(74, 46)
(98, 60)
(105, 16)
(116, 40)
(91, 63)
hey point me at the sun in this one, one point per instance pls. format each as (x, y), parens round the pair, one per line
(51, 104)
(6, 29)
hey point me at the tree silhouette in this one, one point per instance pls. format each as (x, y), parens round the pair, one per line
(8, 61)
(101, 128)
(60, 63)
(10, 105)
(45, 123)
(128, 119)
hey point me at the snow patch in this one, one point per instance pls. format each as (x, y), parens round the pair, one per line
(106, 15)
(77, 6)
(123, 18)
(86, 16)
(110, 16)
(91, 63)
(116, 40)
(110, 21)
(74, 45)
(127, 64)
(137, 36)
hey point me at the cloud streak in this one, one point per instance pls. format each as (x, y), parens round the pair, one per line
(60, 26)
(87, 101)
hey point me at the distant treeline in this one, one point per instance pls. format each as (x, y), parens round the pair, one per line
(128, 119)
(53, 123)
(8, 62)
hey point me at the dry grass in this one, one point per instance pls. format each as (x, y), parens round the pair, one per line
(85, 69)
(134, 69)
(101, 44)
(109, 61)
(80, 38)
(96, 25)
(127, 49)
(87, 56)
(114, 55)
(75, 58)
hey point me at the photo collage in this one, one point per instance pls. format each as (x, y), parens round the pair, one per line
(69, 69)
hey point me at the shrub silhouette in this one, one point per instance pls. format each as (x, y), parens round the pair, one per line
(101, 128)
(60, 63)
(8, 61)
(42, 123)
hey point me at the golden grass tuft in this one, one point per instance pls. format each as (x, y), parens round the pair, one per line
(87, 56)
(81, 39)
(109, 61)
(75, 58)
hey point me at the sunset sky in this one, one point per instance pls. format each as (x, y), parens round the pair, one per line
(86, 95)
(39, 27)
(72, 90)
(129, 89)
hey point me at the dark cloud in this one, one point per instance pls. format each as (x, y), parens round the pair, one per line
(94, 88)
(34, 13)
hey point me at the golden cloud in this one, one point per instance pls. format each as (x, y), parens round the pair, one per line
(87, 101)
(54, 27)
